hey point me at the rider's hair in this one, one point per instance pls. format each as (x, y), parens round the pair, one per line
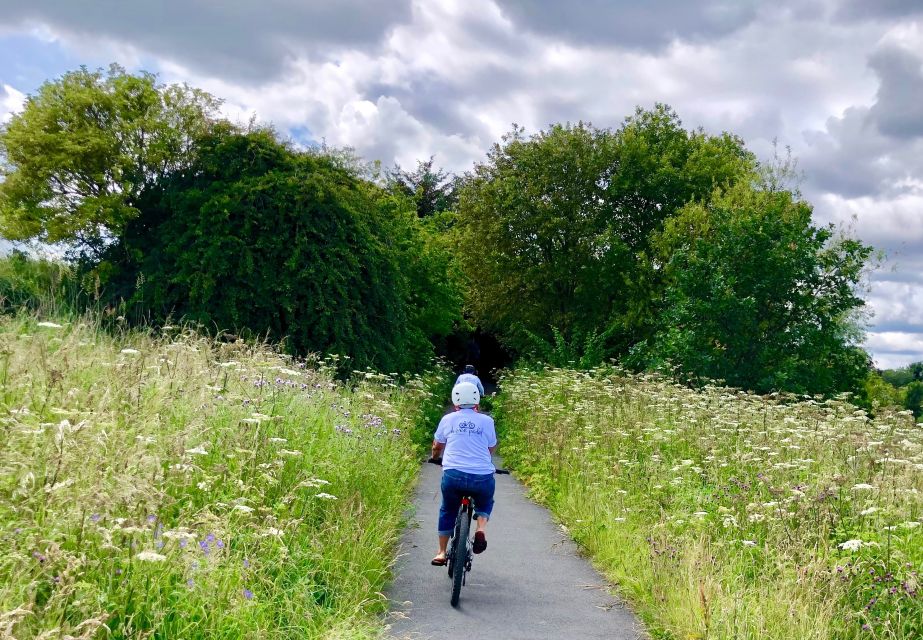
(469, 368)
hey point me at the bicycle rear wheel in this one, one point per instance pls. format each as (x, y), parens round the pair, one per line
(460, 556)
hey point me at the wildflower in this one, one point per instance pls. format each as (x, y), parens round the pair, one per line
(130, 352)
(197, 451)
(868, 512)
(150, 556)
(325, 496)
(95, 517)
(49, 325)
(246, 563)
(248, 594)
(289, 453)
(243, 508)
(748, 543)
(850, 545)
(862, 487)
(190, 583)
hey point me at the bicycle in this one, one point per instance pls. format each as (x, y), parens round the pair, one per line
(459, 553)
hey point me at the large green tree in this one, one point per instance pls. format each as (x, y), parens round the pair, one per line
(759, 296)
(554, 229)
(256, 237)
(77, 158)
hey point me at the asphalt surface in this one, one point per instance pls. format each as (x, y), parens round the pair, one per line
(530, 584)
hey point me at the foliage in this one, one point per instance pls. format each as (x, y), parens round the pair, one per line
(905, 375)
(913, 398)
(39, 285)
(432, 190)
(758, 296)
(877, 392)
(230, 493)
(721, 514)
(84, 148)
(554, 229)
(257, 237)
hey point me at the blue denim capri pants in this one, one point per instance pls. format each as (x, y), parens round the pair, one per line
(456, 484)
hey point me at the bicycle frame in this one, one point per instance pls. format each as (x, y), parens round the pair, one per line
(459, 549)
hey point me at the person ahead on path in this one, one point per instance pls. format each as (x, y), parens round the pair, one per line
(470, 374)
(465, 440)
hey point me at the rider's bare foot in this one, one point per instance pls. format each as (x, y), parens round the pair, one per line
(439, 560)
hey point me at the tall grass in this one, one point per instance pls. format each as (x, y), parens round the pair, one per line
(169, 486)
(726, 515)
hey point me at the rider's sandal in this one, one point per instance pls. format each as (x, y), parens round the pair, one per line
(439, 562)
(480, 542)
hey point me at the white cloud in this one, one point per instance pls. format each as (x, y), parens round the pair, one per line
(11, 101)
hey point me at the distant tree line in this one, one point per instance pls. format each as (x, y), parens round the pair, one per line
(660, 247)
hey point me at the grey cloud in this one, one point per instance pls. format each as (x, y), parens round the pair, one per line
(236, 38)
(878, 9)
(898, 110)
(631, 24)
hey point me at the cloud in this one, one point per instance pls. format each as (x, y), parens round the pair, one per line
(648, 26)
(898, 110)
(11, 101)
(235, 38)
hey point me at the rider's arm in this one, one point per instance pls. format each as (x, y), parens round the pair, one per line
(492, 449)
(438, 448)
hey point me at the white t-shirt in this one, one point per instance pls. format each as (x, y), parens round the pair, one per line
(473, 379)
(467, 435)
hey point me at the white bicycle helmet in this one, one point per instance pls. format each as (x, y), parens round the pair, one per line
(465, 394)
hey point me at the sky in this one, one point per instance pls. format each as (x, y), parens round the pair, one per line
(839, 82)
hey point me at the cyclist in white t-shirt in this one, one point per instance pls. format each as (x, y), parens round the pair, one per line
(465, 440)
(471, 375)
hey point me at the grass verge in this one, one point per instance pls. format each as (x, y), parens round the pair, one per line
(169, 486)
(726, 515)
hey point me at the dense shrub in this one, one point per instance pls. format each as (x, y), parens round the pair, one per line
(258, 238)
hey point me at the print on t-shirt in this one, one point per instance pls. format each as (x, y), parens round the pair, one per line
(468, 427)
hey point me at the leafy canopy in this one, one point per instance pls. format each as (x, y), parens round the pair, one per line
(554, 230)
(758, 296)
(258, 238)
(76, 160)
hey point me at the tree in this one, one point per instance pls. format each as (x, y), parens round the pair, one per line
(431, 189)
(555, 229)
(758, 296)
(257, 238)
(913, 398)
(78, 157)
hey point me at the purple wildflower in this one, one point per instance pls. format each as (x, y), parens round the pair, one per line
(95, 517)
(190, 583)
(151, 518)
(220, 544)
(246, 563)
(248, 594)
(182, 543)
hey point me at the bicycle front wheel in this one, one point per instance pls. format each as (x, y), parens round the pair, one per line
(460, 556)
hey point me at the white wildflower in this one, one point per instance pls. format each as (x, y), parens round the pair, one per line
(748, 543)
(862, 487)
(868, 512)
(243, 508)
(850, 545)
(150, 556)
(130, 352)
(910, 525)
(325, 496)
(279, 440)
(197, 451)
(289, 453)
(49, 325)
(700, 514)
(272, 532)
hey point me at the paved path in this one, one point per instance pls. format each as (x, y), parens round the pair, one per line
(530, 584)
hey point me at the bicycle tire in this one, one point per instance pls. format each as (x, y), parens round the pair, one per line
(460, 553)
